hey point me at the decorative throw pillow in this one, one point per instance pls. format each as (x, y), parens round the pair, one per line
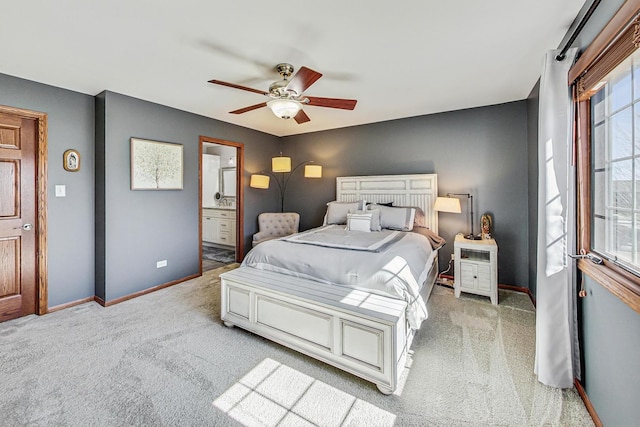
(375, 218)
(396, 218)
(337, 211)
(359, 222)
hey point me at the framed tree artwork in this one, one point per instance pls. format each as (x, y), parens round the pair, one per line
(156, 165)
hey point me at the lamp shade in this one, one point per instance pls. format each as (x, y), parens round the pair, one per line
(313, 171)
(281, 164)
(284, 108)
(259, 181)
(447, 204)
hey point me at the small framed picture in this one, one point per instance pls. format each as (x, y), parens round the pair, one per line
(71, 160)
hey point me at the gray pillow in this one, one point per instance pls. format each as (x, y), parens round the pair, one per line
(337, 211)
(419, 220)
(396, 218)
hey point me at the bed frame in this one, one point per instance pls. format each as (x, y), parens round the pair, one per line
(359, 332)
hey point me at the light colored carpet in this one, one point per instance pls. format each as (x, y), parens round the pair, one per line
(166, 359)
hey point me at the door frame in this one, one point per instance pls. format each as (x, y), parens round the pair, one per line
(41, 202)
(239, 192)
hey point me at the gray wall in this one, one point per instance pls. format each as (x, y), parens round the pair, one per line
(142, 227)
(609, 329)
(482, 151)
(70, 219)
(532, 153)
(610, 345)
(100, 199)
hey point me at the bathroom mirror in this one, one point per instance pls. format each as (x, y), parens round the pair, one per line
(228, 180)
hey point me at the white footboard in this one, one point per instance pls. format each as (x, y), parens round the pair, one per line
(356, 331)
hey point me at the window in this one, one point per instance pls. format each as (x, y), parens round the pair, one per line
(607, 93)
(615, 165)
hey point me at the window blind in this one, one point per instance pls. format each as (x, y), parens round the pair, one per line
(616, 43)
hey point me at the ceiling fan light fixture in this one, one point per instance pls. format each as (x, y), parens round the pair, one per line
(284, 108)
(286, 99)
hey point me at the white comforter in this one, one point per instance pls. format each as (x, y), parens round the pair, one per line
(397, 267)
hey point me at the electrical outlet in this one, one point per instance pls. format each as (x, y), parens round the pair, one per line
(453, 257)
(161, 264)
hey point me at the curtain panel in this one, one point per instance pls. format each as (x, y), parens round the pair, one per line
(557, 353)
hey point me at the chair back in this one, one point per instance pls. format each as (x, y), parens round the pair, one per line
(278, 224)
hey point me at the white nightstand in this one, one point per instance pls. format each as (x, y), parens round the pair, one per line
(476, 267)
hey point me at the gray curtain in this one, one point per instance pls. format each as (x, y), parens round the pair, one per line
(557, 359)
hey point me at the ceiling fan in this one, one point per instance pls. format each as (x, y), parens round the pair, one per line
(286, 95)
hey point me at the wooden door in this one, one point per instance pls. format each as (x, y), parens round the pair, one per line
(18, 290)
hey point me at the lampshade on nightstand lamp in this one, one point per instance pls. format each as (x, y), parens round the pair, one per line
(447, 204)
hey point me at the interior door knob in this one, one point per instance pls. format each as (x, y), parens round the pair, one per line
(25, 227)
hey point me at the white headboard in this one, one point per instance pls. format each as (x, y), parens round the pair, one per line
(403, 190)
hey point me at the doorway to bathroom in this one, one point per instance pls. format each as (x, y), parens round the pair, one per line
(220, 202)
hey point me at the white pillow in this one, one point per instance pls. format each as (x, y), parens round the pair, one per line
(359, 222)
(337, 211)
(396, 218)
(375, 218)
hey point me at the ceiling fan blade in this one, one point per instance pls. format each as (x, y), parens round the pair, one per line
(219, 82)
(265, 67)
(250, 108)
(301, 117)
(304, 78)
(344, 104)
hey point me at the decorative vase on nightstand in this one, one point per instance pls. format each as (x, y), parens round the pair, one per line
(485, 224)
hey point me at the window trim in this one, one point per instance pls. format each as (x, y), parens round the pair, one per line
(599, 57)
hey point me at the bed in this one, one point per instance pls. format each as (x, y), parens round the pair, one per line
(362, 325)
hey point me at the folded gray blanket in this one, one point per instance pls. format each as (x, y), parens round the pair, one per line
(436, 241)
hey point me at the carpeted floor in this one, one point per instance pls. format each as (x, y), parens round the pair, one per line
(166, 359)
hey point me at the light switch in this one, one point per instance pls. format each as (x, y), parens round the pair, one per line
(61, 190)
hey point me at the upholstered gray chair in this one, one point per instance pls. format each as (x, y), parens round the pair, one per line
(274, 225)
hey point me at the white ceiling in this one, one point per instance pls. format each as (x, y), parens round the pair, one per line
(398, 59)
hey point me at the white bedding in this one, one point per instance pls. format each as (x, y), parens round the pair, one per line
(397, 268)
